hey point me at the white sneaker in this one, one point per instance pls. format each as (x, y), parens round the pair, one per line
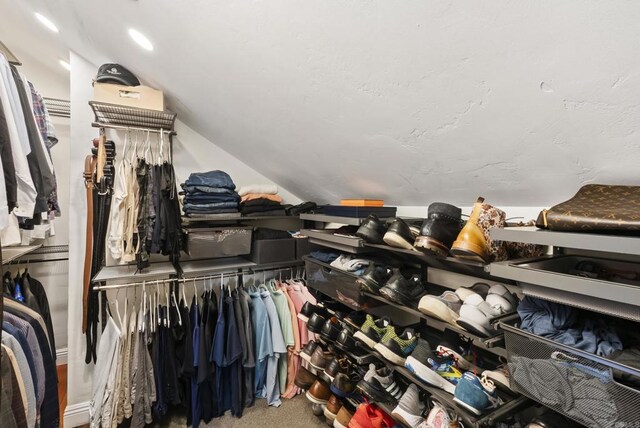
(438, 418)
(444, 307)
(501, 299)
(476, 314)
(480, 288)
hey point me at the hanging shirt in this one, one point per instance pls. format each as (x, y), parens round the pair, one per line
(9, 330)
(248, 358)
(20, 148)
(25, 373)
(233, 359)
(6, 156)
(284, 318)
(272, 387)
(196, 409)
(105, 365)
(262, 340)
(293, 360)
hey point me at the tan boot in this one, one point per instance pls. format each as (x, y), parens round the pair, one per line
(471, 242)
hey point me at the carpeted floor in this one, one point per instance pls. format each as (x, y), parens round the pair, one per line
(293, 413)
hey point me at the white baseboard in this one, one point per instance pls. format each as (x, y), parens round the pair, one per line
(61, 356)
(76, 415)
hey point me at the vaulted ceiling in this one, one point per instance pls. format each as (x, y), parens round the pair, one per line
(411, 101)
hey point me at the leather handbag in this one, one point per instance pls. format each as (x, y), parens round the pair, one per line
(596, 208)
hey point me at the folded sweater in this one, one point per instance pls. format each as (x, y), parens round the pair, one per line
(270, 189)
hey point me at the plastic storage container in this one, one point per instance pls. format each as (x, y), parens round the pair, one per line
(335, 283)
(578, 384)
(214, 242)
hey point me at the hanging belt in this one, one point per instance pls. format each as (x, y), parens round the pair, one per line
(89, 170)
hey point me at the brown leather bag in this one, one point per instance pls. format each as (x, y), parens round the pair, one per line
(596, 208)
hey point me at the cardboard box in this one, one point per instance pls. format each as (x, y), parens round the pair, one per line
(131, 96)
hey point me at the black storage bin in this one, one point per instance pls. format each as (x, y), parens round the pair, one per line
(273, 250)
(335, 283)
(304, 247)
(215, 242)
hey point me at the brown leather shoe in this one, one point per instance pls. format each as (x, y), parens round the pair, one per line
(342, 418)
(333, 406)
(320, 358)
(319, 392)
(304, 378)
(470, 243)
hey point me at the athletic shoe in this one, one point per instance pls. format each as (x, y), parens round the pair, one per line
(342, 418)
(307, 351)
(476, 315)
(374, 278)
(409, 409)
(367, 416)
(500, 377)
(437, 418)
(500, 299)
(476, 395)
(404, 290)
(399, 235)
(478, 288)
(432, 369)
(379, 385)
(372, 331)
(396, 348)
(445, 307)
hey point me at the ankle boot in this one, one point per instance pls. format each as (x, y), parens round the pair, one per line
(440, 229)
(473, 241)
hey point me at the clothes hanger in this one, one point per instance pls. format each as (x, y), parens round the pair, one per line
(184, 294)
(143, 308)
(175, 302)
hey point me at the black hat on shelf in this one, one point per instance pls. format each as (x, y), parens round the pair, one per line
(115, 73)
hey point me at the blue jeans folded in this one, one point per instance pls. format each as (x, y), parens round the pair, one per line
(205, 190)
(200, 207)
(210, 199)
(211, 211)
(210, 179)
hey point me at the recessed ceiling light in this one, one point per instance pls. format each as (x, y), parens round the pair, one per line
(140, 39)
(65, 64)
(47, 22)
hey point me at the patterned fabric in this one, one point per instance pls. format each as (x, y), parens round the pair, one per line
(596, 207)
(491, 217)
(521, 250)
(48, 133)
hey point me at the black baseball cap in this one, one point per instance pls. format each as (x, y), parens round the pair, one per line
(115, 73)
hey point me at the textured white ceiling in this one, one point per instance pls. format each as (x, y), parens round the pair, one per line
(411, 101)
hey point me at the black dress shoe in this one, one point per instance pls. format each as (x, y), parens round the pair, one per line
(345, 341)
(372, 230)
(308, 309)
(330, 330)
(399, 235)
(308, 350)
(374, 278)
(440, 229)
(335, 366)
(404, 291)
(315, 324)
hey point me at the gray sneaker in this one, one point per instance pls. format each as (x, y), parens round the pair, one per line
(379, 385)
(410, 409)
(445, 307)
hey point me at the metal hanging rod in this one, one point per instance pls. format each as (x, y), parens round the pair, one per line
(133, 128)
(153, 282)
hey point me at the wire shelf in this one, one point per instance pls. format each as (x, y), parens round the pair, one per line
(118, 117)
(58, 107)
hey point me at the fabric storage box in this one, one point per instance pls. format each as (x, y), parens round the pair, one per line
(583, 386)
(273, 250)
(304, 247)
(131, 96)
(214, 242)
(334, 282)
